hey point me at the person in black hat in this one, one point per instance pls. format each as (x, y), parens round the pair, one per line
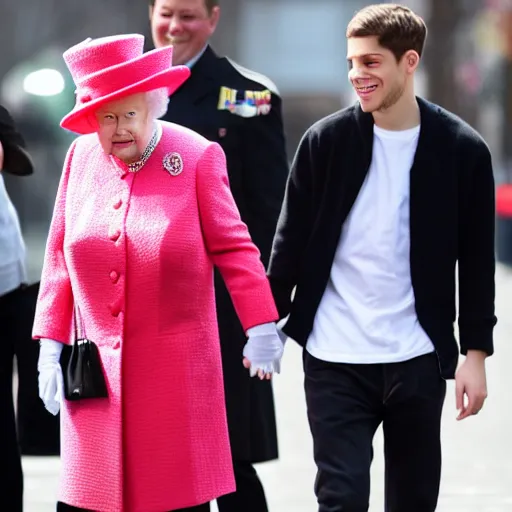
(13, 325)
(16, 160)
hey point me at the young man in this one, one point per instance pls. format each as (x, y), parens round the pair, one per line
(241, 110)
(385, 198)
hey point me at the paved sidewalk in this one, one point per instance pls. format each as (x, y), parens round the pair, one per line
(477, 473)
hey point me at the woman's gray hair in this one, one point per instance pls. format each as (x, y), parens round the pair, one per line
(157, 101)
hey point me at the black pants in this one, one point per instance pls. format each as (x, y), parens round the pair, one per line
(347, 402)
(38, 430)
(35, 431)
(13, 333)
(249, 496)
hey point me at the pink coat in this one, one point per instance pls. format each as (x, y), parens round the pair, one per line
(137, 252)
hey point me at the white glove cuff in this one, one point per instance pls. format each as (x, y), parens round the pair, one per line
(50, 351)
(262, 329)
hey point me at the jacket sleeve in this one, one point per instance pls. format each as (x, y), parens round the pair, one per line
(476, 256)
(54, 309)
(229, 244)
(293, 228)
(265, 171)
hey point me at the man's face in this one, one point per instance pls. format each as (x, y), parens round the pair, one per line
(185, 24)
(125, 127)
(378, 79)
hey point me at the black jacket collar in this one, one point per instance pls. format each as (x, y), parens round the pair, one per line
(203, 77)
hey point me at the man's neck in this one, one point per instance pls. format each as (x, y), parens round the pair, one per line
(403, 115)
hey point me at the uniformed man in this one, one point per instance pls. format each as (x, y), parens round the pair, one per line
(241, 110)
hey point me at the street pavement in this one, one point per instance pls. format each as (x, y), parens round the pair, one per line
(477, 466)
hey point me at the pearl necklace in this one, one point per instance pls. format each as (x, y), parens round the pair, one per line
(155, 139)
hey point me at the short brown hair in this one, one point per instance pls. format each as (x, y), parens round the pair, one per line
(397, 28)
(210, 4)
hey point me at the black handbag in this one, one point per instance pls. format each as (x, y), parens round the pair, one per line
(84, 377)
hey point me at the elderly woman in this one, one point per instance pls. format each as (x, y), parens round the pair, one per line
(143, 213)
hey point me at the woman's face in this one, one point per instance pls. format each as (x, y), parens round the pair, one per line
(125, 127)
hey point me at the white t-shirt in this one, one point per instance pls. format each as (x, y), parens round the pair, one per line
(12, 247)
(367, 313)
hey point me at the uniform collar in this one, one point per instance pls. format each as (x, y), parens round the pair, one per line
(193, 60)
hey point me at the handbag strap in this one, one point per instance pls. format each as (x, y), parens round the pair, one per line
(79, 324)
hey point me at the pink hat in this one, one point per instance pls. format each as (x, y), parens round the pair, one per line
(111, 68)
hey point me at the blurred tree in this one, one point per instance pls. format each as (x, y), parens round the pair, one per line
(444, 58)
(440, 52)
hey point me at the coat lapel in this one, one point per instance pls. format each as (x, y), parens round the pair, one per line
(425, 174)
(429, 184)
(202, 79)
(429, 187)
(347, 166)
(361, 155)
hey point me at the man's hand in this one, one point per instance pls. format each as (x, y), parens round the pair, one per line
(471, 384)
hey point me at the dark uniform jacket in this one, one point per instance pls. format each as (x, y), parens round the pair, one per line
(241, 110)
(452, 203)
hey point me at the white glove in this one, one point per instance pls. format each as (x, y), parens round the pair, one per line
(264, 349)
(51, 381)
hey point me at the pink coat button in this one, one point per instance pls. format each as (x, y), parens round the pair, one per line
(114, 276)
(118, 204)
(114, 236)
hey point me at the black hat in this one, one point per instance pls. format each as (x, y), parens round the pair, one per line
(16, 159)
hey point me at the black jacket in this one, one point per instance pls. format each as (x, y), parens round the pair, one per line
(258, 170)
(452, 214)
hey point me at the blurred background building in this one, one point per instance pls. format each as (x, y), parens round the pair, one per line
(299, 44)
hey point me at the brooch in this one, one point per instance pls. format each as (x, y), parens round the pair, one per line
(173, 163)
